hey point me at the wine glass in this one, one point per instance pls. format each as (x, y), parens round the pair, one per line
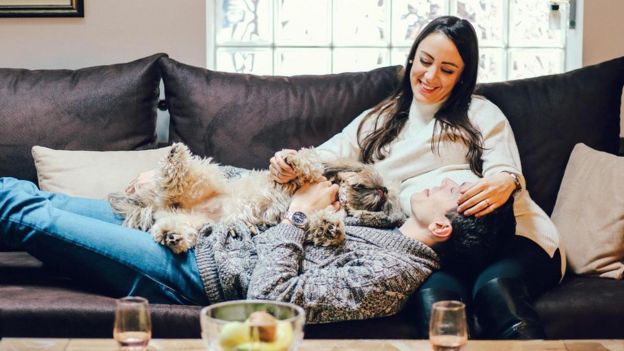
(133, 326)
(447, 328)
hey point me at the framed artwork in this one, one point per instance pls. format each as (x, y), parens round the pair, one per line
(41, 8)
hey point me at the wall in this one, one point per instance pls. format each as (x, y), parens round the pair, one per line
(112, 31)
(602, 35)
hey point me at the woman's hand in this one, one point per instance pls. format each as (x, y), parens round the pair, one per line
(280, 171)
(312, 197)
(486, 195)
(143, 180)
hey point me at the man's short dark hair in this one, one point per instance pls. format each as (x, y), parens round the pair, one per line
(475, 242)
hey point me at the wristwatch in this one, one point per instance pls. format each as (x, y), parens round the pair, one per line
(297, 218)
(516, 180)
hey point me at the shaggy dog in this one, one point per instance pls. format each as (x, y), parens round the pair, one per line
(192, 193)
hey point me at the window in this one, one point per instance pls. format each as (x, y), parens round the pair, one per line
(517, 38)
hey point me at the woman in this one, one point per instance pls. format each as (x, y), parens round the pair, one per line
(433, 127)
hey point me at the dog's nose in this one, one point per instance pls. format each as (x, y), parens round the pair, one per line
(382, 192)
(172, 237)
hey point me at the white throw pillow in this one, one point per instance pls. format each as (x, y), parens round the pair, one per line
(92, 174)
(589, 213)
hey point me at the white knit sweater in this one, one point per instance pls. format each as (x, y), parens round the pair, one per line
(412, 163)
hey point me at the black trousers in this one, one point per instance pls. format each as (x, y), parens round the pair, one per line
(521, 261)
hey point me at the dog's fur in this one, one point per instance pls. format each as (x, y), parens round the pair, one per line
(192, 193)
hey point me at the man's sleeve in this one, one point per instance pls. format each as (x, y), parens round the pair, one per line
(363, 285)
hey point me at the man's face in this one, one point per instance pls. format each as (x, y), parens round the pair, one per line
(431, 205)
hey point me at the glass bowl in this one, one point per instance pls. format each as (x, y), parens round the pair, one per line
(252, 325)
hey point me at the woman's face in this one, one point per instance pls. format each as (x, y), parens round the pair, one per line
(436, 69)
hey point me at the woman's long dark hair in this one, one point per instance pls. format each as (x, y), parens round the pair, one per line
(451, 118)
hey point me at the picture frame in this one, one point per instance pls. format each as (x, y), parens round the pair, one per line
(41, 8)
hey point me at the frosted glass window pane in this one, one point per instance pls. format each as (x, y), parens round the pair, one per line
(245, 60)
(361, 22)
(243, 21)
(488, 18)
(303, 22)
(525, 63)
(491, 65)
(409, 17)
(354, 60)
(398, 56)
(528, 25)
(290, 62)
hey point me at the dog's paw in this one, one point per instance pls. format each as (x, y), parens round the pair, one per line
(206, 229)
(178, 237)
(326, 227)
(306, 164)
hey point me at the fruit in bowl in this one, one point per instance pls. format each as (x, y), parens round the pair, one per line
(248, 325)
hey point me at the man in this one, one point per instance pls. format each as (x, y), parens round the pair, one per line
(370, 275)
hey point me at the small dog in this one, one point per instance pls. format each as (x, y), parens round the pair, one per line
(192, 193)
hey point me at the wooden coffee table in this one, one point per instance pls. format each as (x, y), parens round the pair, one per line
(27, 344)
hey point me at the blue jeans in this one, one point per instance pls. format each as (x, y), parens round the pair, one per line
(84, 238)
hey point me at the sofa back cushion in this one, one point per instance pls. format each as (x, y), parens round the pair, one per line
(551, 114)
(97, 108)
(242, 119)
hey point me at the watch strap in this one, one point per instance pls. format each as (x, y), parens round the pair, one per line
(516, 180)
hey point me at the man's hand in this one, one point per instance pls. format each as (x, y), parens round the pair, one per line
(312, 197)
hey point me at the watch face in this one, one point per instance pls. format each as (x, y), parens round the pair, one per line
(299, 218)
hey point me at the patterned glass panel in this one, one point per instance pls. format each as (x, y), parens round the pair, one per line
(525, 63)
(354, 60)
(409, 17)
(398, 56)
(488, 18)
(290, 62)
(528, 25)
(491, 65)
(245, 60)
(361, 22)
(243, 21)
(303, 22)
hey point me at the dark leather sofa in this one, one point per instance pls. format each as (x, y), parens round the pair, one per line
(241, 120)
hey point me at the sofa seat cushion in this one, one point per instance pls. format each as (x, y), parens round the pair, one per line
(96, 108)
(583, 308)
(242, 119)
(19, 266)
(54, 309)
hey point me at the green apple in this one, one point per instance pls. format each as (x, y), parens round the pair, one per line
(234, 334)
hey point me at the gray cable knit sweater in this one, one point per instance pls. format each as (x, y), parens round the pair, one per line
(370, 275)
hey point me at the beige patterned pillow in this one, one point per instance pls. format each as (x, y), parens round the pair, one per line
(589, 213)
(92, 174)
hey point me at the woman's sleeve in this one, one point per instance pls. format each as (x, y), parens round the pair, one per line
(343, 144)
(367, 285)
(500, 152)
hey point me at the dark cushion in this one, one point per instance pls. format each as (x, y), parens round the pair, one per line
(551, 114)
(584, 308)
(97, 108)
(242, 119)
(58, 309)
